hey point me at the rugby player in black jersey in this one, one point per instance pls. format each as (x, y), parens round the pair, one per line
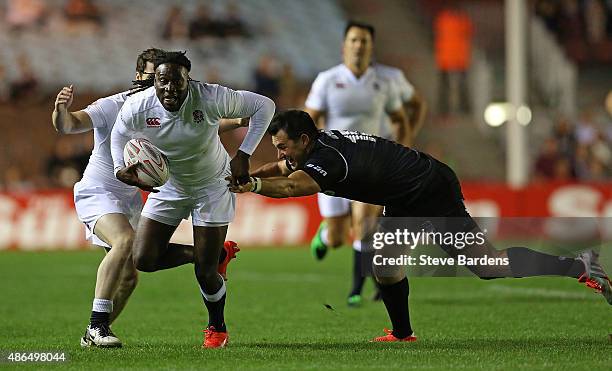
(408, 183)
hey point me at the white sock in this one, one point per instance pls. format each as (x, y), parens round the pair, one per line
(216, 296)
(102, 305)
(324, 236)
(357, 245)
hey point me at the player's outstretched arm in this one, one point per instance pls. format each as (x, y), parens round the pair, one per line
(297, 184)
(272, 169)
(226, 125)
(64, 121)
(260, 109)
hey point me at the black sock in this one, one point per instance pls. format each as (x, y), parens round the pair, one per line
(99, 318)
(395, 297)
(527, 263)
(358, 276)
(215, 314)
(222, 255)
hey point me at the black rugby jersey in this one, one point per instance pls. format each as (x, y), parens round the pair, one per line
(367, 168)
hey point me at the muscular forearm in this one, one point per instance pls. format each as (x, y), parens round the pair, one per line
(66, 122)
(63, 121)
(268, 170)
(278, 187)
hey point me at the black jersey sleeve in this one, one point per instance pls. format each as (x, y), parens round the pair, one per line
(327, 167)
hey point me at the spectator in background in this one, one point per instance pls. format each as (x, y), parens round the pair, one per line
(546, 163)
(26, 85)
(549, 11)
(14, 180)
(586, 133)
(595, 21)
(233, 25)
(202, 25)
(571, 25)
(67, 163)
(287, 88)
(267, 79)
(175, 26)
(83, 13)
(582, 164)
(23, 14)
(563, 132)
(453, 43)
(601, 149)
(5, 87)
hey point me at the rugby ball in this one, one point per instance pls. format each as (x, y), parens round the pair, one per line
(154, 171)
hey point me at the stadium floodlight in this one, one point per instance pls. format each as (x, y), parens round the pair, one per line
(523, 115)
(497, 113)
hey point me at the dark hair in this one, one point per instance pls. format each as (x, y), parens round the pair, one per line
(174, 58)
(161, 57)
(366, 26)
(294, 123)
(149, 55)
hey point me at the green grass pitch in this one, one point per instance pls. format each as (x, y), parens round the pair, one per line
(277, 319)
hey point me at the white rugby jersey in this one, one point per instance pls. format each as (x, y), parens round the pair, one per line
(352, 103)
(404, 88)
(189, 137)
(99, 170)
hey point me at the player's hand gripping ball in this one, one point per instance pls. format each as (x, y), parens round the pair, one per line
(154, 170)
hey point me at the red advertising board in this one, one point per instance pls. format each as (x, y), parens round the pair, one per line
(47, 220)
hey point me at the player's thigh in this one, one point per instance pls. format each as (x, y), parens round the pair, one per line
(364, 218)
(214, 209)
(152, 234)
(331, 207)
(115, 229)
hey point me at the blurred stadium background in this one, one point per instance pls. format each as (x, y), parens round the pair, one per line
(563, 146)
(556, 161)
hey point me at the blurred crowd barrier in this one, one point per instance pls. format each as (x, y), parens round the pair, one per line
(43, 220)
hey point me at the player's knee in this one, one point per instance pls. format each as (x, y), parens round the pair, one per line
(335, 240)
(207, 274)
(144, 262)
(124, 242)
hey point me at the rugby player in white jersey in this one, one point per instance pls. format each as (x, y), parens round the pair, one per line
(110, 209)
(358, 96)
(180, 116)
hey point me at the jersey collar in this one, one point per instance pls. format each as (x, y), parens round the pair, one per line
(354, 78)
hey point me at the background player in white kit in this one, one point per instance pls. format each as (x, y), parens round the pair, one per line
(109, 208)
(359, 96)
(180, 116)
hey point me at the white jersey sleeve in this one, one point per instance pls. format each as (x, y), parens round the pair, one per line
(122, 132)
(101, 110)
(317, 97)
(239, 104)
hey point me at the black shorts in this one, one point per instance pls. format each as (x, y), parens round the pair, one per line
(440, 197)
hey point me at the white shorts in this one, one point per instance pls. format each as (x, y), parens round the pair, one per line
(212, 206)
(93, 201)
(330, 206)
